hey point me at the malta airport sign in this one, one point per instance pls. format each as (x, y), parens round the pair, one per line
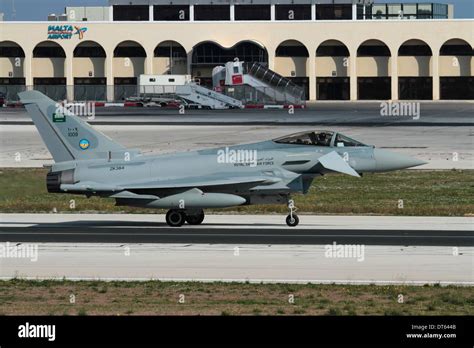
(65, 32)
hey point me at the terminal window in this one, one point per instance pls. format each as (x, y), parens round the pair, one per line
(131, 13)
(18, 81)
(409, 11)
(49, 81)
(171, 13)
(292, 12)
(342, 11)
(252, 12)
(406, 11)
(211, 12)
(425, 11)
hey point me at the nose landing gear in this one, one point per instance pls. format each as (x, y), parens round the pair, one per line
(292, 219)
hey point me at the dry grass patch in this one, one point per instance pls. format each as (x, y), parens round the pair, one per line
(21, 297)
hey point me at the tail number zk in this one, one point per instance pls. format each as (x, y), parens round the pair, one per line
(117, 168)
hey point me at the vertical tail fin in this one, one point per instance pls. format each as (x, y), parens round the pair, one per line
(66, 136)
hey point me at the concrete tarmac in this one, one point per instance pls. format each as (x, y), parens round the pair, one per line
(238, 229)
(324, 249)
(254, 263)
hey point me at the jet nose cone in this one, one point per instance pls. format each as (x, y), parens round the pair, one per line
(386, 161)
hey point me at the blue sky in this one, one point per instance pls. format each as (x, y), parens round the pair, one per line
(35, 10)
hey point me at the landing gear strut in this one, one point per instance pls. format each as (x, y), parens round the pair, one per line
(176, 218)
(292, 219)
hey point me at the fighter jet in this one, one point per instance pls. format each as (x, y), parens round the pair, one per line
(88, 162)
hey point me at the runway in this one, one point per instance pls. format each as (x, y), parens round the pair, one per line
(152, 233)
(240, 229)
(254, 248)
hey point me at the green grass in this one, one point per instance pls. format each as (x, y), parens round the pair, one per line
(21, 297)
(425, 193)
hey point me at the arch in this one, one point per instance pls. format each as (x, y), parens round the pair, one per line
(11, 49)
(129, 49)
(12, 75)
(48, 69)
(128, 64)
(291, 61)
(210, 52)
(49, 49)
(414, 47)
(332, 48)
(414, 59)
(373, 48)
(89, 49)
(170, 57)
(291, 48)
(414, 70)
(456, 47)
(167, 47)
(89, 71)
(373, 70)
(332, 70)
(456, 64)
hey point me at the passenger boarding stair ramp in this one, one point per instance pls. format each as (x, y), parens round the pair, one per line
(280, 88)
(196, 94)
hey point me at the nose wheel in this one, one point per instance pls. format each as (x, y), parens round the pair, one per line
(292, 219)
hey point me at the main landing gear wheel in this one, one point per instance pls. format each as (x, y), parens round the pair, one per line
(195, 219)
(292, 220)
(175, 218)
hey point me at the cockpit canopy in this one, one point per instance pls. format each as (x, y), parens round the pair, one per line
(319, 138)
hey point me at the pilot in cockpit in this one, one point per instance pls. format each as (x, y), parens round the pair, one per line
(322, 139)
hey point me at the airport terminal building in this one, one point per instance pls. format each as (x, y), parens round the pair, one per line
(333, 49)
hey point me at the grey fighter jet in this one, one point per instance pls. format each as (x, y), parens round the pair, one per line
(90, 163)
